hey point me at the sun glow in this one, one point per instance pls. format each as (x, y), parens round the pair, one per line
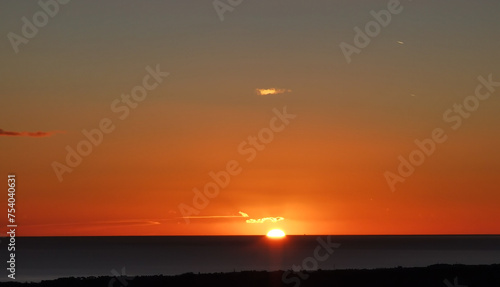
(276, 233)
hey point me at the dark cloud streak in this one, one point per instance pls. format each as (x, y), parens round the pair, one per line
(25, 134)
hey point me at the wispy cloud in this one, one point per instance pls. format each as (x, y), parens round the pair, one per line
(110, 223)
(242, 214)
(211, 216)
(262, 220)
(26, 134)
(271, 91)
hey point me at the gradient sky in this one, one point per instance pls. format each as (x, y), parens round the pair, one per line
(324, 173)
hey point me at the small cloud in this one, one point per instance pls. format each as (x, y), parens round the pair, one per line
(262, 220)
(26, 134)
(106, 224)
(271, 91)
(242, 214)
(401, 42)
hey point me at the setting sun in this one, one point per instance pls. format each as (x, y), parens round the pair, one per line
(276, 233)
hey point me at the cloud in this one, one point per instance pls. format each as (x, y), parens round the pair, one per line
(111, 223)
(25, 134)
(211, 216)
(242, 214)
(271, 91)
(262, 220)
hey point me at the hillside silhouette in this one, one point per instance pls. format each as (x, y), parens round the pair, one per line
(435, 275)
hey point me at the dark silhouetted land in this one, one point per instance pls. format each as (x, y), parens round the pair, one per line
(435, 275)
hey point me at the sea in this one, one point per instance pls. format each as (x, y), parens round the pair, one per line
(44, 258)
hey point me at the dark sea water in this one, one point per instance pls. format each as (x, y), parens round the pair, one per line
(39, 258)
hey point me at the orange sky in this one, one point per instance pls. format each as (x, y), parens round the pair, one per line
(323, 171)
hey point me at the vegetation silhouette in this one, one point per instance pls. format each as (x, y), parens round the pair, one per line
(441, 275)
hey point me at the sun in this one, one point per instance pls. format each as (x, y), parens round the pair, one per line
(276, 233)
